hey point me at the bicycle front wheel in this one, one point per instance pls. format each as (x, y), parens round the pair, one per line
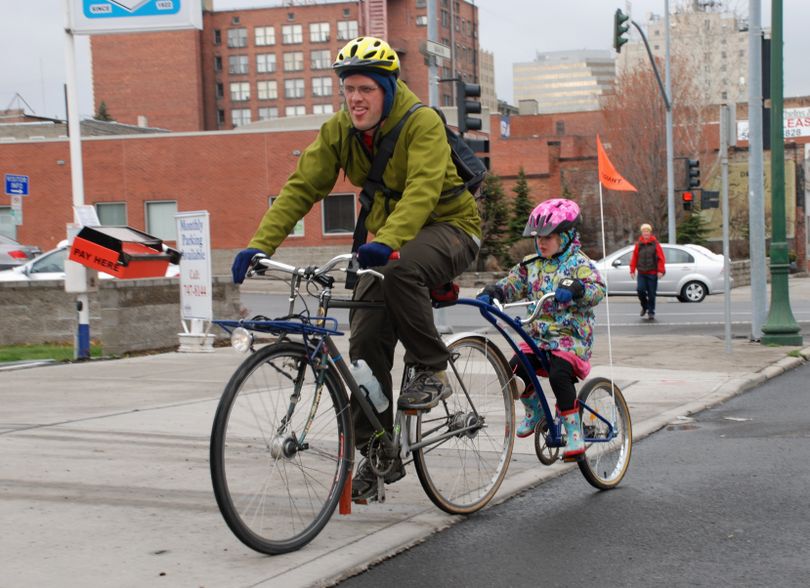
(280, 449)
(607, 453)
(470, 436)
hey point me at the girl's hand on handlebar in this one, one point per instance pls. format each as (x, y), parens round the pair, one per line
(569, 289)
(489, 293)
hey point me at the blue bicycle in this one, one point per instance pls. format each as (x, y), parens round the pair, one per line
(607, 429)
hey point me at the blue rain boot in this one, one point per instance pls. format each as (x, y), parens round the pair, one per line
(533, 413)
(575, 446)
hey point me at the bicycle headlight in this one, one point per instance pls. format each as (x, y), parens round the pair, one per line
(241, 339)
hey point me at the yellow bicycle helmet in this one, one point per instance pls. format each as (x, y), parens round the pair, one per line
(366, 54)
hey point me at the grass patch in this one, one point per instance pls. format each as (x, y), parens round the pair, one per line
(58, 352)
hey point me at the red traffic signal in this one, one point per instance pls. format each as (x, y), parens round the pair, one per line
(687, 198)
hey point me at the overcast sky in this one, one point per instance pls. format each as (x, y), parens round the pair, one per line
(32, 42)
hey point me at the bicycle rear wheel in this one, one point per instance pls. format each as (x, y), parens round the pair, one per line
(280, 449)
(461, 472)
(606, 460)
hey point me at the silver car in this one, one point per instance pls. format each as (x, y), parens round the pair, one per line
(13, 254)
(692, 273)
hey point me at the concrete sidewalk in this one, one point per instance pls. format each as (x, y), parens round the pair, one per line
(104, 474)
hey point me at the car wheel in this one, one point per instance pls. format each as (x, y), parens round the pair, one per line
(693, 292)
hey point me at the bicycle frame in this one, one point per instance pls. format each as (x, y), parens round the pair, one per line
(492, 315)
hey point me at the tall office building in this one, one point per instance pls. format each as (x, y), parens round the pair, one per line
(263, 63)
(708, 44)
(564, 81)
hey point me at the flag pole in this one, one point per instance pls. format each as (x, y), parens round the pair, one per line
(607, 296)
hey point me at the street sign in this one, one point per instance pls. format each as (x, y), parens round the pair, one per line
(437, 49)
(16, 210)
(16, 185)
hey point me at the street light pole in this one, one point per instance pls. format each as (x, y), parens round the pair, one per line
(672, 237)
(781, 328)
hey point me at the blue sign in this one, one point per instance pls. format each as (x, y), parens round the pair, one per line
(119, 8)
(16, 185)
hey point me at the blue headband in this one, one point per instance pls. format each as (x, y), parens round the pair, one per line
(387, 82)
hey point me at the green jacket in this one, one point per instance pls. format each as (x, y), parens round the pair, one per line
(420, 168)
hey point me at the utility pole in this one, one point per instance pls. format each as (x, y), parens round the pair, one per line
(781, 328)
(756, 203)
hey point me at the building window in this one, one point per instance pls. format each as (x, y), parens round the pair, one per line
(338, 214)
(160, 221)
(240, 116)
(559, 127)
(240, 91)
(267, 90)
(220, 117)
(217, 37)
(445, 19)
(112, 213)
(237, 64)
(298, 229)
(292, 34)
(320, 59)
(322, 86)
(294, 88)
(295, 111)
(220, 90)
(323, 109)
(294, 61)
(421, 20)
(346, 13)
(318, 32)
(265, 36)
(346, 30)
(217, 63)
(237, 37)
(265, 62)
(268, 113)
(421, 3)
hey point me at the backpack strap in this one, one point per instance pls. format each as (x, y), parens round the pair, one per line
(374, 182)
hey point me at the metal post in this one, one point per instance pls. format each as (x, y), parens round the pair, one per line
(433, 75)
(82, 339)
(781, 328)
(725, 124)
(670, 149)
(756, 203)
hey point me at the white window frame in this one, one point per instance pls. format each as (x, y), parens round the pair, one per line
(320, 59)
(294, 88)
(323, 108)
(318, 32)
(349, 227)
(346, 30)
(268, 112)
(265, 63)
(322, 86)
(295, 110)
(293, 61)
(238, 64)
(292, 34)
(239, 91)
(264, 36)
(164, 226)
(237, 38)
(117, 206)
(240, 116)
(267, 90)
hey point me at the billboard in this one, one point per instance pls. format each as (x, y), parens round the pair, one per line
(90, 17)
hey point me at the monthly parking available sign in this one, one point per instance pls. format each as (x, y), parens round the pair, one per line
(114, 16)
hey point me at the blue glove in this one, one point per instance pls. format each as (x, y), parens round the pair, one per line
(489, 293)
(373, 254)
(241, 263)
(569, 289)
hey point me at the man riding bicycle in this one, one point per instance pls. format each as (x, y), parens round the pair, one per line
(424, 213)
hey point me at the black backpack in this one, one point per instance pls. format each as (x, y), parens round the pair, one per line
(469, 167)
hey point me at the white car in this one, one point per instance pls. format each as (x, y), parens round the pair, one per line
(51, 266)
(692, 273)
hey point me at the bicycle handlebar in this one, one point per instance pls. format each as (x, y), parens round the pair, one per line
(535, 313)
(310, 271)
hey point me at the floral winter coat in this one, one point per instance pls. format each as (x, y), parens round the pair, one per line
(561, 327)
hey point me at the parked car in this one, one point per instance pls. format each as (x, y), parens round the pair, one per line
(51, 266)
(693, 272)
(13, 254)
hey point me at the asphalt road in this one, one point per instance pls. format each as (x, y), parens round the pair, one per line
(717, 500)
(672, 318)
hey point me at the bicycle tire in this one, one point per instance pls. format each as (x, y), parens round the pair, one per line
(275, 493)
(461, 474)
(605, 463)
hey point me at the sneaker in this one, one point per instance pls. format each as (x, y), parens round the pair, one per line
(425, 391)
(651, 316)
(364, 483)
(643, 312)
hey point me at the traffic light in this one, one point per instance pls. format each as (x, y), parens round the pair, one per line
(693, 173)
(466, 107)
(687, 199)
(480, 146)
(620, 29)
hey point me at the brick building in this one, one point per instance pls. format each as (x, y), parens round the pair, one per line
(265, 63)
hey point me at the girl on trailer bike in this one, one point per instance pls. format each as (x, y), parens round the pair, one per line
(565, 328)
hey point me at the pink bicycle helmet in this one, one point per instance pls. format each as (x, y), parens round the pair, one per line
(556, 215)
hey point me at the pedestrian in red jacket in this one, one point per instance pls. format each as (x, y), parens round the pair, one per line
(648, 260)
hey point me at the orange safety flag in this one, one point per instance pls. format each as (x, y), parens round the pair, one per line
(610, 178)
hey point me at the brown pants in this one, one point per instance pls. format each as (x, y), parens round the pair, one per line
(437, 254)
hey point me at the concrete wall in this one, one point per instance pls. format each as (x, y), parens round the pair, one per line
(125, 315)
